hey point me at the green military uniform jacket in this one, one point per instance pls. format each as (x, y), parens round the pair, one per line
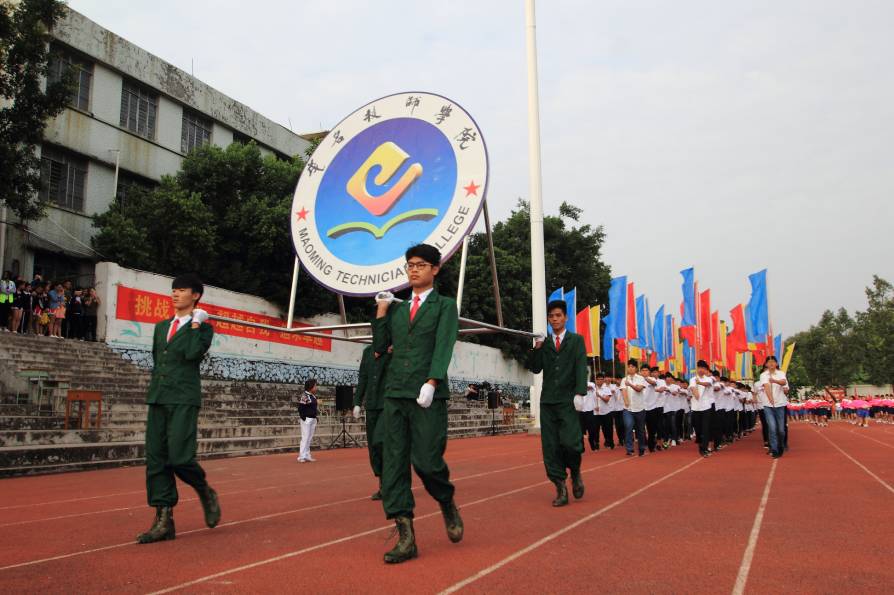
(175, 375)
(422, 349)
(565, 371)
(370, 385)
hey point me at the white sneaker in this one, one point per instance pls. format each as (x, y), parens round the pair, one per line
(300, 460)
(311, 459)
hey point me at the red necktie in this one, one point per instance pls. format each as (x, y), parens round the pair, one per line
(558, 342)
(415, 307)
(174, 326)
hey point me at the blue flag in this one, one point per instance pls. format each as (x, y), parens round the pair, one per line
(642, 327)
(777, 347)
(757, 305)
(616, 320)
(688, 297)
(557, 295)
(571, 302)
(659, 334)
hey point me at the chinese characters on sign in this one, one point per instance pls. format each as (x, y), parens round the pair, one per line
(137, 305)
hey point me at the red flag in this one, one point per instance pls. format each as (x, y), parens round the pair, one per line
(715, 337)
(704, 323)
(622, 351)
(736, 341)
(760, 355)
(631, 313)
(653, 359)
(583, 328)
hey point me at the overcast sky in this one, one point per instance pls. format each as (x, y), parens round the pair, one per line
(725, 136)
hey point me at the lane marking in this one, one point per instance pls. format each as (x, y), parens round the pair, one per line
(748, 556)
(885, 484)
(254, 519)
(319, 546)
(855, 433)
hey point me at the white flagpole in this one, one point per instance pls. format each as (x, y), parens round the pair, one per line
(462, 275)
(538, 260)
(291, 315)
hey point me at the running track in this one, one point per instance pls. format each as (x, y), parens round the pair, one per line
(669, 522)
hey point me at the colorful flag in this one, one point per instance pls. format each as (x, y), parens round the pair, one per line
(715, 338)
(594, 332)
(777, 346)
(737, 341)
(622, 351)
(642, 325)
(723, 356)
(584, 328)
(688, 308)
(616, 321)
(757, 305)
(631, 314)
(787, 358)
(556, 296)
(571, 302)
(659, 334)
(704, 312)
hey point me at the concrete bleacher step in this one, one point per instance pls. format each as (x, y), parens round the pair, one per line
(238, 418)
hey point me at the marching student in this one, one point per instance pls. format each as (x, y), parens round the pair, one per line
(650, 402)
(632, 387)
(422, 332)
(671, 408)
(617, 409)
(369, 393)
(174, 399)
(563, 361)
(605, 410)
(587, 416)
(775, 398)
(701, 387)
(661, 399)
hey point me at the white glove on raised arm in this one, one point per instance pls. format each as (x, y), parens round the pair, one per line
(356, 412)
(426, 395)
(384, 296)
(578, 403)
(199, 316)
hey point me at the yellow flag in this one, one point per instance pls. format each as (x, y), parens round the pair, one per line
(722, 338)
(594, 331)
(787, 358)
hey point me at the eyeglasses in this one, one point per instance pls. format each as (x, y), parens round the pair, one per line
(417, 265)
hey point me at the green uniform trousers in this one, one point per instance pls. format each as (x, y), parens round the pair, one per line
(414, 435)
(561, 440)
(374, 440)
(171, 450)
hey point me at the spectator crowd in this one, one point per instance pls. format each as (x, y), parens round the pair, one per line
(48, 308)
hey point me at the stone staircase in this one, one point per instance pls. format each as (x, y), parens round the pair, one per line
(238, 418)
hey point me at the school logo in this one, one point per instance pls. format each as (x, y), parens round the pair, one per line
(404, 169)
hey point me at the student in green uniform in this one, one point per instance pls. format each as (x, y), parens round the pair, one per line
(369, 393)
(174, 399)
(563, 361)
(422, 332)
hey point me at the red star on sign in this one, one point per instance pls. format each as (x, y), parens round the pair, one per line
(302, 214)
(472, 188)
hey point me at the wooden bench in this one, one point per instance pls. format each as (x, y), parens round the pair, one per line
(84, 398)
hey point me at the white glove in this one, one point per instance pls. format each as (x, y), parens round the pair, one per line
(539, 338)
(426, 395)
(578, 403)
(384, 296)
(356, 412)
(199, 316)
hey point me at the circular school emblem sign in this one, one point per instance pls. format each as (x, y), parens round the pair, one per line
(404, 169)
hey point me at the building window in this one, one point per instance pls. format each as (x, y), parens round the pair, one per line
(196, 131)
(242, 139)
(63, 177)
(139, 107)
(131, 188)
(62, 61)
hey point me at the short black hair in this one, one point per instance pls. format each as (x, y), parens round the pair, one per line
(600, 375)
(632, 362)
(724, 379)
(771, 357)
(188, 281)
(645, 366)
(715, 373)
(310, 383)
(653, 369)
(428, 253)
(560, 304)
(702, 364)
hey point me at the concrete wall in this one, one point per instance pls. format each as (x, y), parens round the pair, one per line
(247, 358)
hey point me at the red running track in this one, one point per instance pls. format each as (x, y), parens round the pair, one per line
(670, 522)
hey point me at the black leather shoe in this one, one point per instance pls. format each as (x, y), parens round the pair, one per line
(406, 543)
(577, 486)
(452, 521)
(377, 495)
(561, 494)
(162, 528)
(210, 505)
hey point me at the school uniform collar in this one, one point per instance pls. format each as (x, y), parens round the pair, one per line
(184, 322)
(422, 296)
(561, 336)
(429, 296)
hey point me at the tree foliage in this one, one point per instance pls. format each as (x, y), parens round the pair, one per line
(24, 63)
(842, 349)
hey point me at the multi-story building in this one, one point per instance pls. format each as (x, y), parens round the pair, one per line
(132, 118)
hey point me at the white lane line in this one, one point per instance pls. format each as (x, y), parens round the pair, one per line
(856, 433)
(748, 556)
(885, 484)
(357, 535)
(249, 520)
(478, 575)
(246, 478)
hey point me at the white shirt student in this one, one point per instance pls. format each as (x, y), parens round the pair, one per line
(702, 389)
(634, 386)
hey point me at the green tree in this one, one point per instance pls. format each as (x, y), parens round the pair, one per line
(824, 354)
(24, 62)
(874, 333)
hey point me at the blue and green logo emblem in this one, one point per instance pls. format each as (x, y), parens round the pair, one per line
(401, 170)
